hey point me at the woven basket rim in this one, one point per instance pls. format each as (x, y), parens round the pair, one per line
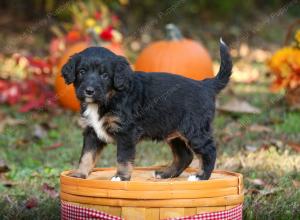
(235, 180)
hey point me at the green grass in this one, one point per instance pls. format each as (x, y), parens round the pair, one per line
(290, 124)
(276, 164)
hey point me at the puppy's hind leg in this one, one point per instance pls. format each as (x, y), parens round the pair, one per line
(92, 147)
(205, 150)
(182, 157)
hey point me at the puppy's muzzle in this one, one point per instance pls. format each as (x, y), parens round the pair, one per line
(89, 92)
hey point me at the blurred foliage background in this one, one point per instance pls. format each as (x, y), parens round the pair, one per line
(234, 10)
(198, 19)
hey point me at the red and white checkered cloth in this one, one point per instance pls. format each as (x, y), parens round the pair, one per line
(69, 211)
(74, 212)
(235, 213)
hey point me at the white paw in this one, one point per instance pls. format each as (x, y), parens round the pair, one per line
(157, 176)
(116, 178)
(193, 178)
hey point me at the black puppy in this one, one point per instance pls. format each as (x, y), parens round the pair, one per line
(121, 106)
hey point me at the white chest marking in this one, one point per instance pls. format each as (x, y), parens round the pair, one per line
(91, 118)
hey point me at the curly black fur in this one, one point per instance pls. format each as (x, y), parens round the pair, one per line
(138, 105)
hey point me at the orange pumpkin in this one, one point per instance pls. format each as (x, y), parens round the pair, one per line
(177, 55)
(66, 93)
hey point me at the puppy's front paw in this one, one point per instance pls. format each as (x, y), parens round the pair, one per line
(158, 174)
(115, 179)
(118, 178)
(193, 178)
(155, 176)
(77, 175)
(196, 177)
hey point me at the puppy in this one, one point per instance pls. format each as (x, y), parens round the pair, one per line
(123, 107)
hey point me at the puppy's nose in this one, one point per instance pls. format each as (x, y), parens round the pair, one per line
(89, 91)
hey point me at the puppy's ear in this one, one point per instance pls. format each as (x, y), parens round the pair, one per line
(122, 74)
(68, 70)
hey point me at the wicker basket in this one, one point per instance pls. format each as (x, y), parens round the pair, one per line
(145, 197)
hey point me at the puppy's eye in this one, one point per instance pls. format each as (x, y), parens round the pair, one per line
(104, 75)
(81, 72)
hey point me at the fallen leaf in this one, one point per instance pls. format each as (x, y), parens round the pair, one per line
(242, 161)
(258, 182)
(39, 131)
(49, 125)
(53, 146)
(8, 199)
(251, 148)
(3, 166)
(277, 143)
(50, 190)
(296, 183)
(4, 181)
(266, 192)
(31, 203)
(8, 121)
(227, 138)
(265, 146)
(251, 191)
(294, 146)
(239, 106)
(231, 131)
(230, 164)
(259, 128)
(8, 183)
(263, 192)
(22, 142)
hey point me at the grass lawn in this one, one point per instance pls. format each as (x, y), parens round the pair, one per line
(258, 146)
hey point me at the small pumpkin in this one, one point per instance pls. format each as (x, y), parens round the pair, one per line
(66, 93)
(177, 55)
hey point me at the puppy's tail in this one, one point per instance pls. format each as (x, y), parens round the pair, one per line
(220, 81)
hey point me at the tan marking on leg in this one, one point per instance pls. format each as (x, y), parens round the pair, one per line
(124, 169)
(87, 163)
(173, 135)
(169, 139)
(172, 170)
(175, 156)
(177, 134)
(201, 171)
